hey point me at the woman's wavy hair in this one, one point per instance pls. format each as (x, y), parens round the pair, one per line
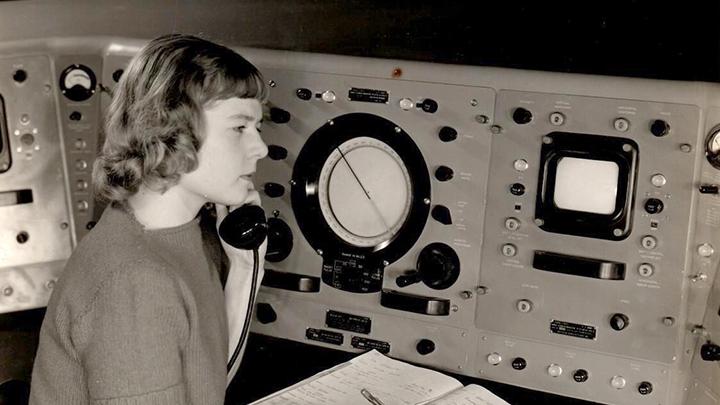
(155, 121)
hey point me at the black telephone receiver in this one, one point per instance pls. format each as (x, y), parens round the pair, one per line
(244, 228)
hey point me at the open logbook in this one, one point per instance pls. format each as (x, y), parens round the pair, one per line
(386, 381)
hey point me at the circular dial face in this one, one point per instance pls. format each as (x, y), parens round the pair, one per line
(712, 147)
(365, 192)
(78, 77)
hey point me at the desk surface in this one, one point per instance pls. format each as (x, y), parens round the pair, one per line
(271, 364)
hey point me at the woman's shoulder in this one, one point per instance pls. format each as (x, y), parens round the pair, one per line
(114, 255)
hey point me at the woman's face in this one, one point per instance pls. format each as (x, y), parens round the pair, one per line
(229, 151)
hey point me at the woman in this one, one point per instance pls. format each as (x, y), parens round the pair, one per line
(138, 316)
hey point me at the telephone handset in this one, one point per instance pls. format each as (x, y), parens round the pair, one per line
(244, 228)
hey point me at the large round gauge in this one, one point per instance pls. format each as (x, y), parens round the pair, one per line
(361, 196)
(364, 192)
(712, 147)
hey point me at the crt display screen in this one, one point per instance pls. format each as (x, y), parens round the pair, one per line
(586, 185)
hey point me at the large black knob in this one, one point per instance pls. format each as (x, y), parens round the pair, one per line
(265, 313)
(279, 116)
(710, 352)
(428, 105)
(659, 128)
(619, 321)
(276, 152)
(438, 265)
(444, 173)
(425, 346)
(653, 206)
(280, 240)
(522, 116)
(448, 134)
(274, 190)
(441, 214)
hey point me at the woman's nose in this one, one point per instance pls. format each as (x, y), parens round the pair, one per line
(259, 148)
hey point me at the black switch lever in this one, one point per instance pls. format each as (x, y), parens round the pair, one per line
(428, 105)
(410, 277)
(709, 189)
(710, 352)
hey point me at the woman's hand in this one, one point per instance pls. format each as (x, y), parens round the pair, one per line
(240, 257)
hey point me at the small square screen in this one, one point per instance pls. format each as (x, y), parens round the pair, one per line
(586, 185)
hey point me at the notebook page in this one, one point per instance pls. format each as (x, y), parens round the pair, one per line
(470, 395)
(393, 382)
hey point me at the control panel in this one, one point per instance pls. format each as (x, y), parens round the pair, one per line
(550, 231)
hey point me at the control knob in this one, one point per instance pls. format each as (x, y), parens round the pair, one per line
(428, 105)
(653, 206)
(659, 128)
(447, 134)
(710, 352)
(522, 116)
(280, 240)
(619, 321)
(279, 116)
(276, 152)
(444, 173)
(425, 346)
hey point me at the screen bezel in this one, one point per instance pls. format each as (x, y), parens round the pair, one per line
(621, 151)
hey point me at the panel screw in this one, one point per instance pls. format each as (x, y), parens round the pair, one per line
(496, 129)
(63, 225)
(319, 252)
(483, 119)
(454, 308)
(547, 140)
(474, 102)
(398, 130)
(686, 148)
(271, 83)
(467, 294)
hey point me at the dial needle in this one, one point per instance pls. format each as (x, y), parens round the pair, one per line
(375, 207)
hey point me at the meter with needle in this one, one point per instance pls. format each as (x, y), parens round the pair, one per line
(361, 194)
(712, 147)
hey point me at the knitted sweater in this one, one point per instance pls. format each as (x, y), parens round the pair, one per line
(137, 317)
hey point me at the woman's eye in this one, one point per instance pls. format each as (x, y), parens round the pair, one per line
(239, 129)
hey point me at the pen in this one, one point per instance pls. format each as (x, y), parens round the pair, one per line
(370, 397)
